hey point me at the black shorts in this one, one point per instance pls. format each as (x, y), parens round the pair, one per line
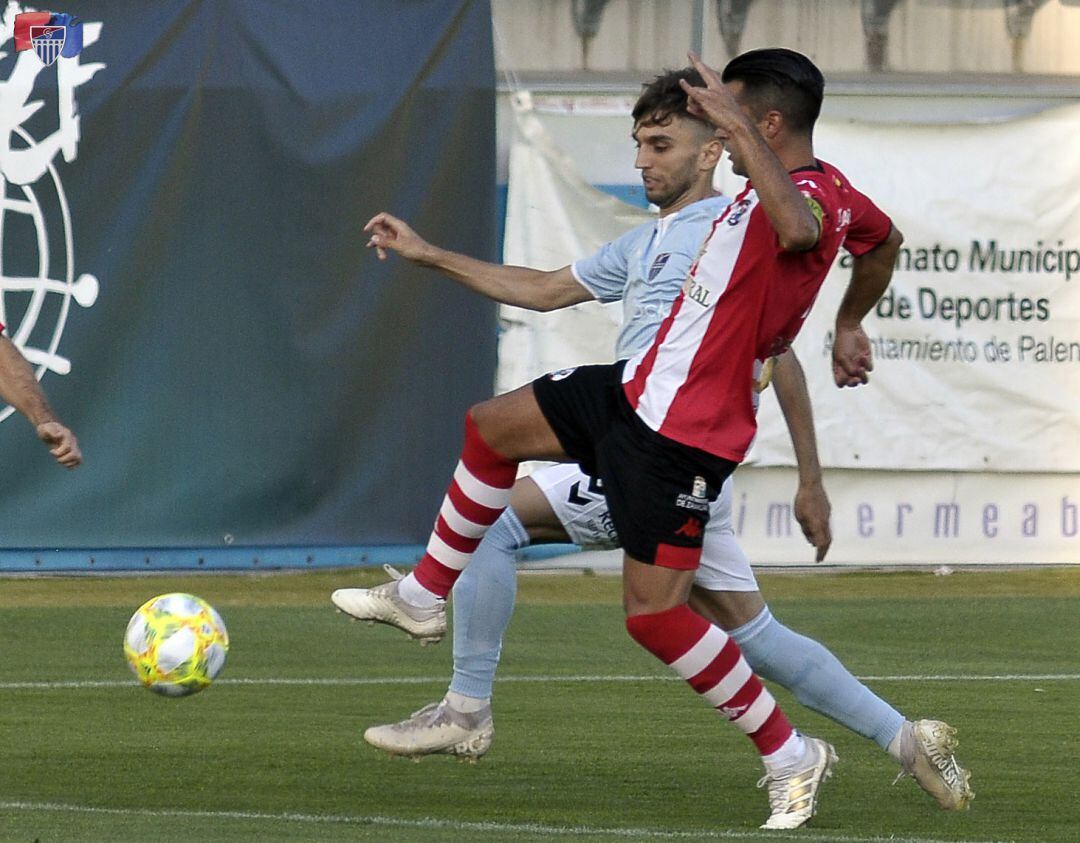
(658, 490)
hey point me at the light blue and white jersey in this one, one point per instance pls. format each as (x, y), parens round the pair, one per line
(646, 268)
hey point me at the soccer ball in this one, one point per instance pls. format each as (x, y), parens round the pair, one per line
(176, 644)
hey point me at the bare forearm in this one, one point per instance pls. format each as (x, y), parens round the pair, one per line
(19, 387)
(515, 285)
(870, 277)
(794, 400)
(812, 508)
(796, 226)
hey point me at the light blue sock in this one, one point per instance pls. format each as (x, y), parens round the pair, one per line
(483, 603)
(816, 678)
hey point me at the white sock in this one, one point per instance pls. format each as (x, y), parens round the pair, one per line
(466, 705)
(897, 746)
(410, 590)
(787, 757)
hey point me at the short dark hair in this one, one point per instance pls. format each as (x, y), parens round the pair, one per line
(664, 98)
(775, 78)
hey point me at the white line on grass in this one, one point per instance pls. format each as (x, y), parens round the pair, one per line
(432, 823)
(429, 680)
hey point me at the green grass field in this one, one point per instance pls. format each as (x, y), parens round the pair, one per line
(594, 740)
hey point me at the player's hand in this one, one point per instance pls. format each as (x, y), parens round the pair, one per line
(812, 511)
(61, 442)
(388, 232)
(852, 359)
(714, 102)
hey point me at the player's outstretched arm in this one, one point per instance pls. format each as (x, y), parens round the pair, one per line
(796, 226)
(20, 389)
(517, 285)
(870, 277)
(812, 508)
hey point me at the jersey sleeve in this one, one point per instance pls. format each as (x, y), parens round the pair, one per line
(604, 274)
(814, 187)
(869, 225)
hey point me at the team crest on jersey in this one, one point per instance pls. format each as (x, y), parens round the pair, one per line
(559, 374)
(737, 212)
(658, 264)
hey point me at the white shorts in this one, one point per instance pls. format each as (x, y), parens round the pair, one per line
(578, 503)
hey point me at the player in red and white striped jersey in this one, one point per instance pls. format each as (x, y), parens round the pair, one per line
(747, 296)
(725, 312)
(664, 432)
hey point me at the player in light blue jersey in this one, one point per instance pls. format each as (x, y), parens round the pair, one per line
(644, 269)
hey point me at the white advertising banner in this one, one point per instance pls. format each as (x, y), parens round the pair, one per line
(977, 342)
(914, 517)
(967, 439)
(554, 217)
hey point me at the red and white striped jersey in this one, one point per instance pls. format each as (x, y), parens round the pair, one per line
(744, 301)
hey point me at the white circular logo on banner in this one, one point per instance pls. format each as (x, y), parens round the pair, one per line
(36, 290)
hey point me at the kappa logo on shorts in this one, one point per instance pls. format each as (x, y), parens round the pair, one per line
(691, 529)
(559, 374)
(658, 264)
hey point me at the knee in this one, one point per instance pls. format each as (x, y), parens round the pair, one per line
(727, 609)
(480, 414)
(486, 423)
(638, 626)
(651, 629)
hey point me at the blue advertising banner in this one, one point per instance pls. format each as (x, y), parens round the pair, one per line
(183, 265)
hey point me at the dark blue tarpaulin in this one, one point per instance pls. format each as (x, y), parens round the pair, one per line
(249, 375)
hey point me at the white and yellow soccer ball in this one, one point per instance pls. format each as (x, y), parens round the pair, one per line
(176, 644)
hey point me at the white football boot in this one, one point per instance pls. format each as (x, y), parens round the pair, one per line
(436, 729)
(927, 748)
(793, 796)
(383, 604)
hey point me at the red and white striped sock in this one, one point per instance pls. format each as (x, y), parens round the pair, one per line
(478, 494)
(713, 665)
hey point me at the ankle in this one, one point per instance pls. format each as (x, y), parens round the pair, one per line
(902, 746)
(412, 592)
(466, 704)
(788, 756)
